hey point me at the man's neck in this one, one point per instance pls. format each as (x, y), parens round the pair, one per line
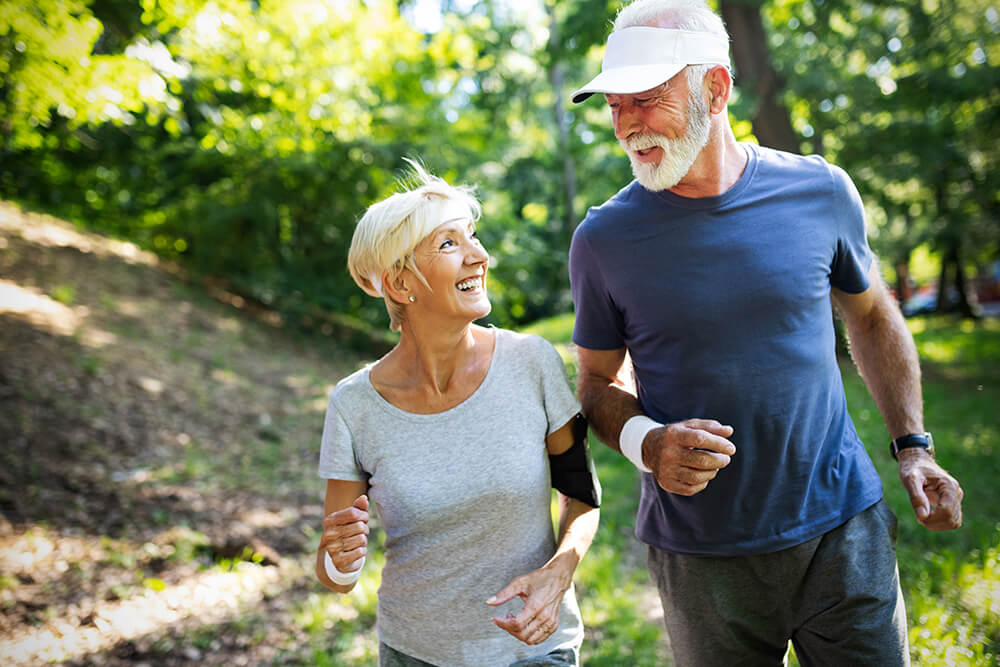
(717, 168)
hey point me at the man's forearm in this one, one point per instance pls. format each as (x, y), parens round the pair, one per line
(607, 406)
(883, 350)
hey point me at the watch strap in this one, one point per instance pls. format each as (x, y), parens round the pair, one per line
(921, 440)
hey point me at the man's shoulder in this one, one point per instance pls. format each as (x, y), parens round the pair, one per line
(800, 166)
(619, 207)
(772, 158)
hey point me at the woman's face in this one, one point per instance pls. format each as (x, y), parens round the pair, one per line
(454, 263)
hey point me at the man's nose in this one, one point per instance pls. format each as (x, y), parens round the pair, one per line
(626, 122)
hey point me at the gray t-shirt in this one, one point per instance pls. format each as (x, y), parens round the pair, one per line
(464, 498)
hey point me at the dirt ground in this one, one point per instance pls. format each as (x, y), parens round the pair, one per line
(150, 433)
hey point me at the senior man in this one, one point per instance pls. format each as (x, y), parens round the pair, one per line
(707, 357)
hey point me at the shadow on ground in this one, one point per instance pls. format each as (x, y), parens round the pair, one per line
(158, 496)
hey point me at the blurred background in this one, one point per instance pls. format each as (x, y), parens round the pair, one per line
(243, 139)
(179, 182)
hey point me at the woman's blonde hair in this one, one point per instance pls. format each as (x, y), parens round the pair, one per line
(390, 230)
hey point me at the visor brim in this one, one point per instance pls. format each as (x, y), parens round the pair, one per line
(628, 80)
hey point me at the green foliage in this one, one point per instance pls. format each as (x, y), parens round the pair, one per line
(557, 329)
(904, 97)
(64, 294)
(51, 74)
(244, 139)
(950, 579)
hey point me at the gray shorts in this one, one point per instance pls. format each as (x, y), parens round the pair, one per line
(390, 657)
(836, 597)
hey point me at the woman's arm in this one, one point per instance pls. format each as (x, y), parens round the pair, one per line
(577, 520)
(345, 530)
(542, 590)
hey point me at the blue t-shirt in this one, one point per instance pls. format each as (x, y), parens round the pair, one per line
(724, 305)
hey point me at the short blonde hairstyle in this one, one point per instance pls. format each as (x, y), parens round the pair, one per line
(390, 230)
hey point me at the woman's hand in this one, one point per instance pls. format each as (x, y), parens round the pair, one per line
(345, 535)
(542, 591)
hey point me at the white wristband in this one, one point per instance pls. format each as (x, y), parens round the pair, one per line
(632, 435)
(338, 577)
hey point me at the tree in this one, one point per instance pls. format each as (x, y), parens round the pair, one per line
(905, 101)
(758, 80)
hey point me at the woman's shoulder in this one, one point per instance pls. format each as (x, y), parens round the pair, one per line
(519, 340)
(525, 347)
(352, 387)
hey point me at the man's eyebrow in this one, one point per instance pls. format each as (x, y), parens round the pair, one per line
(652, 92)
(659, 90)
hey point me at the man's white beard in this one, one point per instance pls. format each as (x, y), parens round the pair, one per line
(678, 154)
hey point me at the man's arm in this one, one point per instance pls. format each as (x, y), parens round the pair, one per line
(683, 457)
(884, 352)
(606, 393)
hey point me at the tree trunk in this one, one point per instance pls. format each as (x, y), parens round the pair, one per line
(771, 123)
(966, 306)
(903, 279)
(556, 77)
(903, 289)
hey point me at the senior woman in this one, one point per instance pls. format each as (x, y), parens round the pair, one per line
(458, 435)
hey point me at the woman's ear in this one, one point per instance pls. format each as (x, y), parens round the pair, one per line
(398, 288)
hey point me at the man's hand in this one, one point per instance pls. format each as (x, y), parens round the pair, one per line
(935, 495)
(685, 456)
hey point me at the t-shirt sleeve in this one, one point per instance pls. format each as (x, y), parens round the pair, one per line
(337, 459)
(560, 402)
(599, 324)
(853, 257)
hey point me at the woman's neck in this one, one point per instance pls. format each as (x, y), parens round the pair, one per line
(432, 355)
(432, 372)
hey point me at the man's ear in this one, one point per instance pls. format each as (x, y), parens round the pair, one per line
(720, 88)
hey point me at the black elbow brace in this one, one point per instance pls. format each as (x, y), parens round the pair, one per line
(573, 472)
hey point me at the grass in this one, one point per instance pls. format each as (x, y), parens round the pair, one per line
(213, 414)
(951, 581)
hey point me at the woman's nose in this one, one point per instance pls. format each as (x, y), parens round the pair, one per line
(477, 254)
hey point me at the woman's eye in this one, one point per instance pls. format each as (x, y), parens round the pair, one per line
(446, 243)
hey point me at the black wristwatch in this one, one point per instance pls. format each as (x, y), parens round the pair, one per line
(921, 440)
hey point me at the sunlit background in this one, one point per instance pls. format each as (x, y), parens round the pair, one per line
(180, 180)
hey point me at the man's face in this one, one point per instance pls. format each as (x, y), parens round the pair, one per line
(662, 130)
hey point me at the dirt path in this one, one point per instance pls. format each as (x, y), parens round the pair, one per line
(149, 433)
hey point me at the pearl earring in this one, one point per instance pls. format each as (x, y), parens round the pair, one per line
(412, 299)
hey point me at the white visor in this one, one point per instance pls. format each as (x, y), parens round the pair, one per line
(640, 58)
